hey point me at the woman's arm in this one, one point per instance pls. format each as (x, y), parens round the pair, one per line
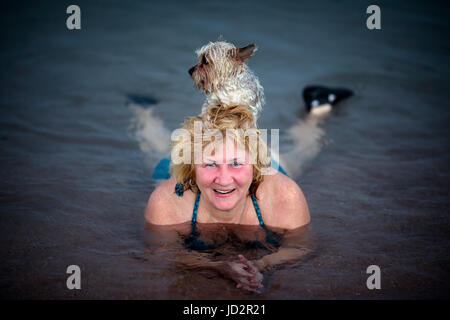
(289, 212)
(294, 248)
(241, 271)
(248, 273)
(282, 256)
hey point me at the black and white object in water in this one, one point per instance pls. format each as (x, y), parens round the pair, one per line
(320, 99)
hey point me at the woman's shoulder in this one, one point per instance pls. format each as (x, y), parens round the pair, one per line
(285, 201)
(164, 207)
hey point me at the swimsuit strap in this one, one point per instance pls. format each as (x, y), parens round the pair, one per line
(194, 214)
(194, 243)
(197, 202)
(258, 211)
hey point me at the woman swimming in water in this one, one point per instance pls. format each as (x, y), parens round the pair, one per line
(221, 178)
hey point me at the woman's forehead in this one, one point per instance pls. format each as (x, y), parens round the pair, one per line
(226, 151)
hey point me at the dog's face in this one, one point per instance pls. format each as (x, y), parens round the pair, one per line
(219, 61)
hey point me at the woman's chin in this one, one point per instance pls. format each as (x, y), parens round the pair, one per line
(224, 203)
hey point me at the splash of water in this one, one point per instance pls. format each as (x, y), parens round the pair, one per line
(148, 129)
(306, 136)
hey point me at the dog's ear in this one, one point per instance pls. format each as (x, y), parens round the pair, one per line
(245, 53)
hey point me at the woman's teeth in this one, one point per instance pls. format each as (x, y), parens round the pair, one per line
(223, 191)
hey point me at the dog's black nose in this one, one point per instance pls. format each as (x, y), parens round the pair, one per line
(191, 71)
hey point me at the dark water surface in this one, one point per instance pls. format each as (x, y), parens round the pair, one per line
(75, 176)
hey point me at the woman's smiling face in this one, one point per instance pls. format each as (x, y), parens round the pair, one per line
(225, 176)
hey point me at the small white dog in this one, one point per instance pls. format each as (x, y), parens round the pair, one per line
(225, 78)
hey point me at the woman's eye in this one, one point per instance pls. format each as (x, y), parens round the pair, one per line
(236, 164)
(211, 165)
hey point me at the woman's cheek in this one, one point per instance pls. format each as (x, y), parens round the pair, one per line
(245, 173)
(207, 175)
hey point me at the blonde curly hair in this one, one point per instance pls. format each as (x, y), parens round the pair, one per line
(229, 121)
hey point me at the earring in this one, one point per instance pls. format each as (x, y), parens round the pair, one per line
(179, 189)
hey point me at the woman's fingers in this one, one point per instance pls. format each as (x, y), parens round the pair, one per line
(251, 289)
(252, 277)
(249, 281)
(241, 269)
(248, 264)
(249, 285)
(257, 274)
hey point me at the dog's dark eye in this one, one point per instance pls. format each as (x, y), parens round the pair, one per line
(204, 60)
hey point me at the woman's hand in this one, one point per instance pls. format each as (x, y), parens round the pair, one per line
(257, 276)
(244, 273)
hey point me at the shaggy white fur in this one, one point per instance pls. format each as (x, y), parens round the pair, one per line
(225, 78)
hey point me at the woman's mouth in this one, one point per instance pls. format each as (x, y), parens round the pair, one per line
(223, 192)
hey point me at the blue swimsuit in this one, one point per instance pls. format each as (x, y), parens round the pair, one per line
(193, 242)
(197, 202)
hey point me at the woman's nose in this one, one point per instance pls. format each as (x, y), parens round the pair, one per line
(224, 176)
